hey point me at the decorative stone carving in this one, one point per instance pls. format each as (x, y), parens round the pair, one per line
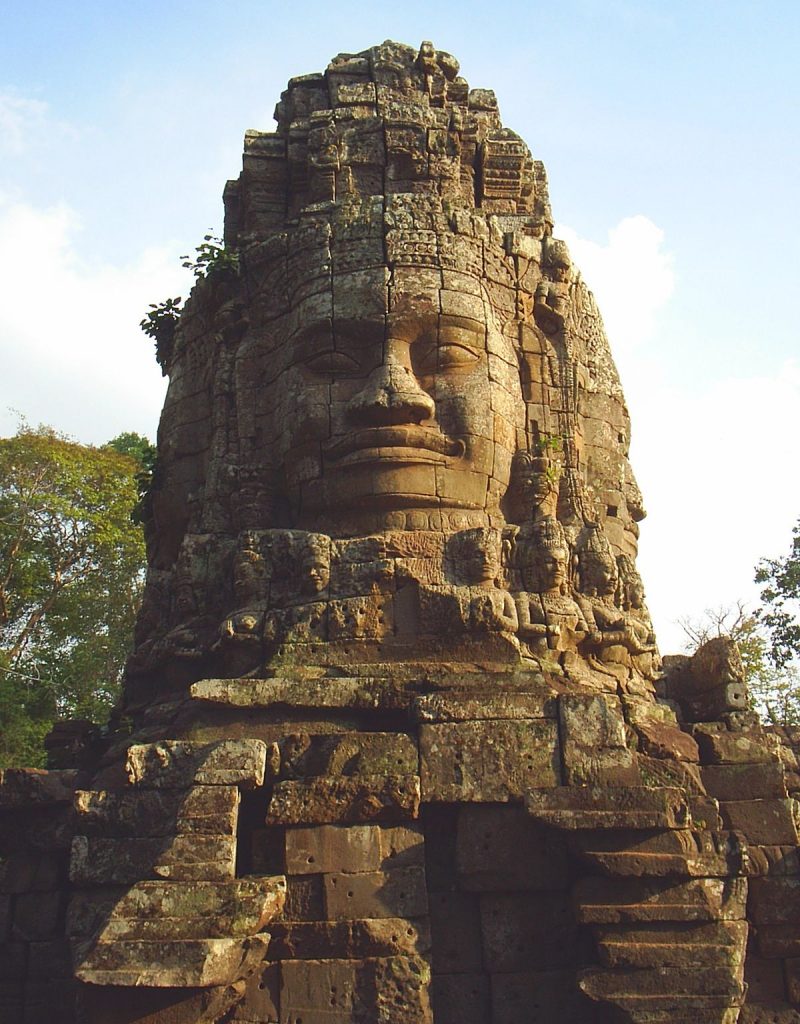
(549, 616)
(390, 747)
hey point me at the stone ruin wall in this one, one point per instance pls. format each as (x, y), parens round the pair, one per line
(396, 743)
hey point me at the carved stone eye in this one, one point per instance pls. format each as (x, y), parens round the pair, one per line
(429, 358)
(332, 363)
(454, 356)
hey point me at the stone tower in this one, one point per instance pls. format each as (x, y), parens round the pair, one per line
(396, 743)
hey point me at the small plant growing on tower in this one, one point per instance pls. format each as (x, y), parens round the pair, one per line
(159, 324)
(212, 257)
(547, 446)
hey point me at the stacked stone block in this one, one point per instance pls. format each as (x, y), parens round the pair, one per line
(396, 743)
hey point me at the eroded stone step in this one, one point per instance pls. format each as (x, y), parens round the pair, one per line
(721, 944)
(690, 853)
(664, 989)
(608, 807)
(618, 901)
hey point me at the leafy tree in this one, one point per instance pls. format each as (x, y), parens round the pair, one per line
(781, 597)
(774, 691)
(137, 447)
(71, 571)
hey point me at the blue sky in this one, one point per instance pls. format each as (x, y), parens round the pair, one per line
(669, 131)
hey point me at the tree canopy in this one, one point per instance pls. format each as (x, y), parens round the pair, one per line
(71, 570)
(781, 597)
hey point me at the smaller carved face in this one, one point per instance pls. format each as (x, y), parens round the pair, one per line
(479, 555)
(553, 568)
(315, 572)
(599, 573)
(634, 593)
(545, 569)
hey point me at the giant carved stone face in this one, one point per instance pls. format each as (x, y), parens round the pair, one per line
(389, 406)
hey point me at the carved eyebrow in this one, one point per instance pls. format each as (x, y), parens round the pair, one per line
(359, 331)
(463, 323)
(464, 334)
(312, 340)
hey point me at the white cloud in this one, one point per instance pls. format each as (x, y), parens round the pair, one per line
(25, 122)
(718, 472)
(715, 461)
(631, 277)
(72, 352)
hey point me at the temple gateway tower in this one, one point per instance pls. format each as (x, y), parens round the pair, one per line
(396, 743)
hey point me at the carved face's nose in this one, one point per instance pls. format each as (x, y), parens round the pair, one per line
(391, 395)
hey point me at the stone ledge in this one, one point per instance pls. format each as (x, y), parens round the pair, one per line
(176, 764)
(338, 692)
(200, 810)
(337, 800)
(98, 861)
(623, 901)
(608, 807)
(461, 707)
(194, 963)
(156, 911)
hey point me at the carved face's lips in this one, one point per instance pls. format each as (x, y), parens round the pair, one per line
(407, 443)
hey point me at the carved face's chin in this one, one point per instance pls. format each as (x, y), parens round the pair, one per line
(370, 480)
